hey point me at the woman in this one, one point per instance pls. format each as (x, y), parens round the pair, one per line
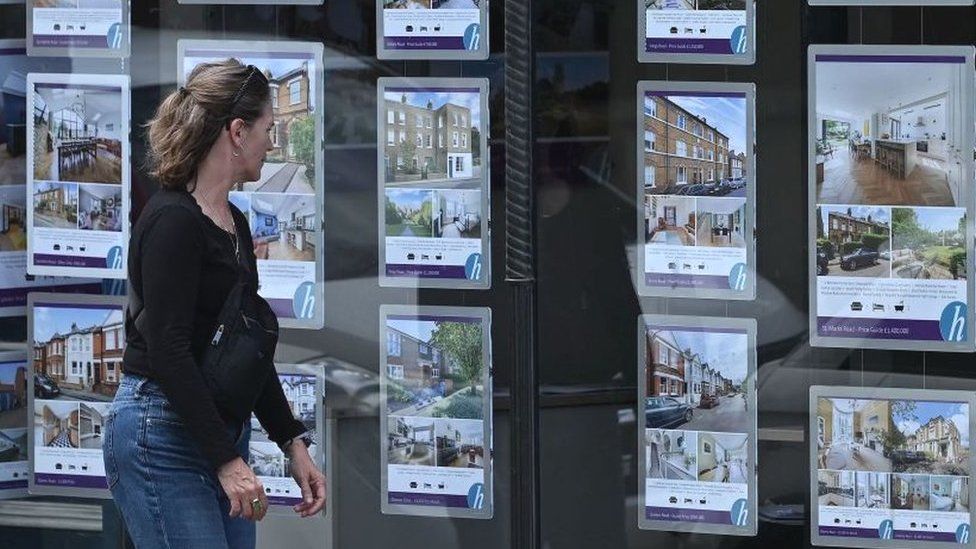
(176, 463)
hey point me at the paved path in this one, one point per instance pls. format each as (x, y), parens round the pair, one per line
(279, 182)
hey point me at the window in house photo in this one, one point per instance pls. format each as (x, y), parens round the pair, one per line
(294, 92)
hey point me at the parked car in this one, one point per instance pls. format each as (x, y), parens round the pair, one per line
(861, 257)
(45, 387)
(737, 182)
(662, 412)
(905, 456)
(694, 189)
(708, 401)
(822, 262)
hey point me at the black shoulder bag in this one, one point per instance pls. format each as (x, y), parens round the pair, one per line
(236, 362)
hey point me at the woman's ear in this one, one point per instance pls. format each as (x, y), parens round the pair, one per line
(236, 131)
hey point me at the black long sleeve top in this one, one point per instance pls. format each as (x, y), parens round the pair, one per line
(183, 266)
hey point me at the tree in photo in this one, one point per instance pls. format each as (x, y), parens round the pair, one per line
(302, 140)
(461, 343)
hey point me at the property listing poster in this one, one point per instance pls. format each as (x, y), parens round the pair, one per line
(696, 175)
(76, 346)
(78, 28)
(890, 192)
(697, 31)
(432, 29)
(433, 162)
(895, 470)
(304, 392)
(78, 177)
(285, 206)
(14, 280)
(14, 467)
(436, 395)
(698, 424)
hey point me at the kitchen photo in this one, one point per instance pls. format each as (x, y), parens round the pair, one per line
(890, 129)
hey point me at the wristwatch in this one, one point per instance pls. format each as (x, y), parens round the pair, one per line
(304, 437)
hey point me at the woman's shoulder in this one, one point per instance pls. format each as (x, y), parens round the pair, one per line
(169, 211)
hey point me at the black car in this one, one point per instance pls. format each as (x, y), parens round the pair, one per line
(665, 411)
(695, 189)
(822, 261)
(45, 387)
(861, 257)
(906, 456)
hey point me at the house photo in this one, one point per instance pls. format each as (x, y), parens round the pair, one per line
(290, 164)
(688, 140)
(854, 241)
(669, 220)
(873, 490)
(720, 222)
(77, 134)
(13, 395)
(835, 488)
(889, 133)
(433, 138)
(672, 455)
(435, 368)
(80, 349)
(695, 380)
(56, 205)
(695, 4)
(460, 443)
(723, 457)
(91, 427)
(56, 423)
(949, 494)
(100, 208)
(410, 441)
(13, 120)
(283, 226)
(934, 438)
(457, 214)
(928, 243)
(910, 492)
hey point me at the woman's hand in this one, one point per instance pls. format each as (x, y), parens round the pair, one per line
(242, 488)
(308, 476)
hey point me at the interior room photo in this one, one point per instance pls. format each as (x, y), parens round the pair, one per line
(99, 208)
(890, 133)
(77, 135)
(723, 457)
(283, 226)
(835, 488)
(13, 237)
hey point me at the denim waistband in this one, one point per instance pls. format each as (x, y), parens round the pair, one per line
(136, 385)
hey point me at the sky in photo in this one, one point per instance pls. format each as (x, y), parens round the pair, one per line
(727, 114)
(51, 320)
(724, 352)
(420, 329)
(277, 66)
(407, 198)
(955, 412)
(471, 100)
(940, 219)
(879, 214)
(8, 371)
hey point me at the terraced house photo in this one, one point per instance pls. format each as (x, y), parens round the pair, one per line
(690, 144)
(56, 205)
(79, 350)
(290, 164)
(435, 368)
(433, 139)
(854, 241)
(13, 396)
(695, 4)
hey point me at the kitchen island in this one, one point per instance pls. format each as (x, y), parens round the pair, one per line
(898, 156)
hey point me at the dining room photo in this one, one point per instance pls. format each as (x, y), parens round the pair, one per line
(890, 129)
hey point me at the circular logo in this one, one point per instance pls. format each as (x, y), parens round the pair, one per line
(738, 277)
(740, 512)
(114, 36)
(472, 267)
(886, 530)
(476, 496)
(472, 37)
(962, 533)
(113, 259)
(303, 304)
(739, 40)
(952, 323)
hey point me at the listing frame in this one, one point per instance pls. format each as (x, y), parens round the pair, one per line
(748, 58)
(384, 53)
(22, 356)
(58, 51)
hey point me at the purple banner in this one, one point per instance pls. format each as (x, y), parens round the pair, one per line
(689, 45)
(279, 500)
(283, 308)
(70, 481)
(838, 58)
(423, 43)
(13, 484)
(685, 281)
(925, 536)
(426, 271)
(879, 328)
(702, 329)
(55, 41)
(695, 94)
(845, 532)
(688, 515)
(430, 500)
(51, 260)
(17, 297)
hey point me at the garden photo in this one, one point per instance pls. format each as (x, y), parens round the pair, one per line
(409, 213)
(928, 243)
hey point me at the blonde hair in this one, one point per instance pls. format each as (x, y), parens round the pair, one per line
(189, 121)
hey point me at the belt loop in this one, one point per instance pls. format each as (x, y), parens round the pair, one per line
(138, 391)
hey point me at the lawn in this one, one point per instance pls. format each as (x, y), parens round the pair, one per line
(407, 229)
(940, 254)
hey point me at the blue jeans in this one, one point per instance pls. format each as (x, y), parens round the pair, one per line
(168, 494)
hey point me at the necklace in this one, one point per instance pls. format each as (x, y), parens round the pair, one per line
(224, 220)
